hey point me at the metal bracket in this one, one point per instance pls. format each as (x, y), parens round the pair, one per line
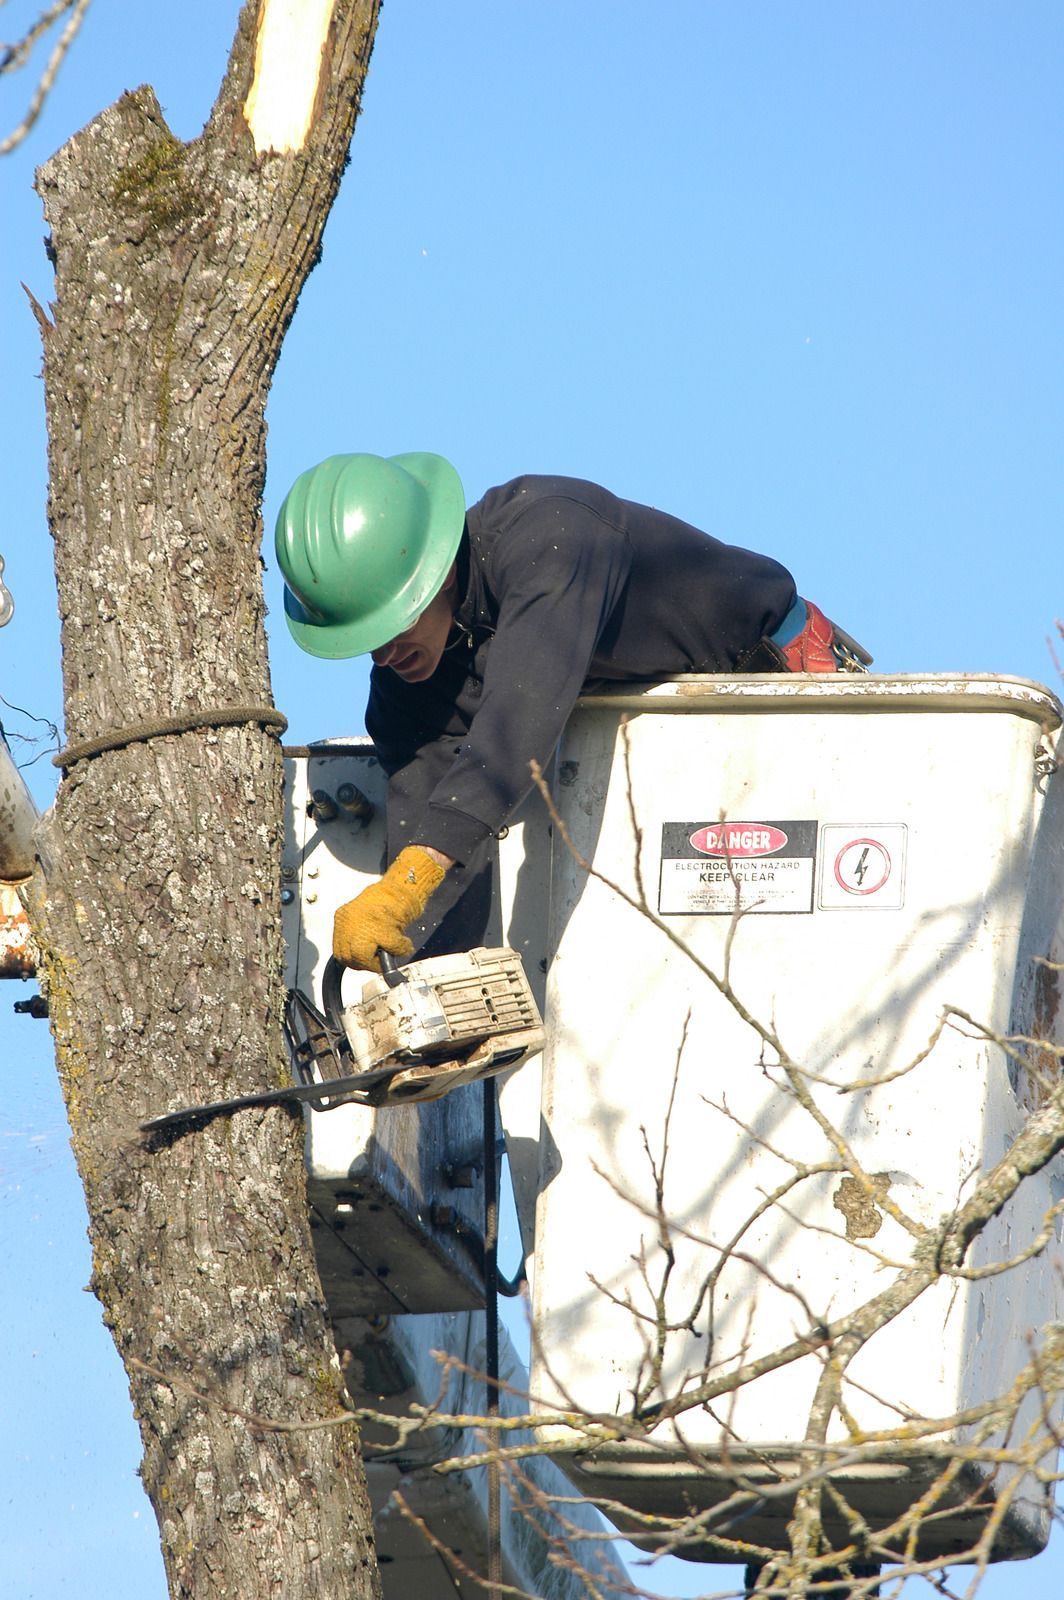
(1045, 762)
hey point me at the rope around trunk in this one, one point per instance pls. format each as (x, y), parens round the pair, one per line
(157, 727)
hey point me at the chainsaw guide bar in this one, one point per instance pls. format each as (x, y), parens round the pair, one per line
(417, 1033)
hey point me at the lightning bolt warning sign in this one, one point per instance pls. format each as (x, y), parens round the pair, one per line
(862, 866)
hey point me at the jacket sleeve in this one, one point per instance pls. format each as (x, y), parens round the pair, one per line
(556, 574)
(456, 917)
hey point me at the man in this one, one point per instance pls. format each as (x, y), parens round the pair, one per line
(484, 627)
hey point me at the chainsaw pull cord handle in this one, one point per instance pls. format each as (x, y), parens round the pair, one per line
(331, 978)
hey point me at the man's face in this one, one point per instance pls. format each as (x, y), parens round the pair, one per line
(415, 653)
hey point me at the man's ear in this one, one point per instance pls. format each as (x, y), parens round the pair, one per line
(450, 583)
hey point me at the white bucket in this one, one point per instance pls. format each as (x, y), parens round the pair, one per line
(893, 846)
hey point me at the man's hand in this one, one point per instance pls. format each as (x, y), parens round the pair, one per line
(375, 919)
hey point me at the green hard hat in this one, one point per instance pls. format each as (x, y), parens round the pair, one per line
(365, 542)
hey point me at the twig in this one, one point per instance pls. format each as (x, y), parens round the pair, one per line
(18, 54)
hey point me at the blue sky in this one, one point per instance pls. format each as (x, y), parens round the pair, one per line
(788, 268)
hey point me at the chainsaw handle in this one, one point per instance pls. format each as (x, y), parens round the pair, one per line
(331, 1003)
(391, 971)
(331, 978)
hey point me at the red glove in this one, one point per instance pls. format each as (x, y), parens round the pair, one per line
(810, 650)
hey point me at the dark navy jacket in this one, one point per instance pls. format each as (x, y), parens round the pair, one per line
(559, 583)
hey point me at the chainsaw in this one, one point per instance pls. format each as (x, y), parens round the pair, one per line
(414, 1033)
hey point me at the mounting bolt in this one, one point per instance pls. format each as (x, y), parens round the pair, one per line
(354, 802)
(323, 807)
(459, 1175)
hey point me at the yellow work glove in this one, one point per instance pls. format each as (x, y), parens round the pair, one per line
(375, 919)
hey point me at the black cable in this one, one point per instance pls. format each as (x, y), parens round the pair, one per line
(491, 1332)
(446, 1217)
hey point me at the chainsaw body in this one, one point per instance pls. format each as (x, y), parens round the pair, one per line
(421, 1029)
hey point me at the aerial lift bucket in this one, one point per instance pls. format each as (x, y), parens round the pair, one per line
(778, 1053)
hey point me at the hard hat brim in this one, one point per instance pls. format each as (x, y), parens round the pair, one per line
(336, 641)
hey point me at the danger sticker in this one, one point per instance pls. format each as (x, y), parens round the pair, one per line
(718, 868)
(739, 839)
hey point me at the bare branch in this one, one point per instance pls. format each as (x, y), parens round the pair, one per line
(17, 55)
(452, 1561)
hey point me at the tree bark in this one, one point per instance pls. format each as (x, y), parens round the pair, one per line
(156, 900)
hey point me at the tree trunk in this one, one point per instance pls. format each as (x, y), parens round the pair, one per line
(156, 902)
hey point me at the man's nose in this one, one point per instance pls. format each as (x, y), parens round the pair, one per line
(383, 655)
